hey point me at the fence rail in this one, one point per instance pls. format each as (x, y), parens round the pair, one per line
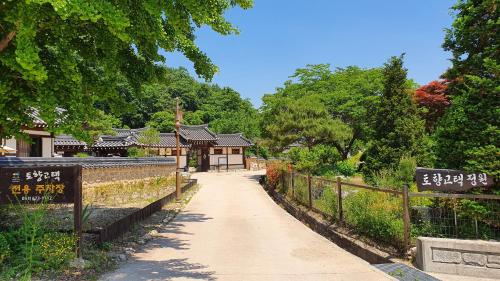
(395, 217)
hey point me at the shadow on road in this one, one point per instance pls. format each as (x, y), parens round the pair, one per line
(164, 270)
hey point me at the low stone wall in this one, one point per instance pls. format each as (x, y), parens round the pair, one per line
(254, 164)
(461, 257)
(109, 174)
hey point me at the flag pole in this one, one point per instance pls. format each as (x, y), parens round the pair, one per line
(178, 191)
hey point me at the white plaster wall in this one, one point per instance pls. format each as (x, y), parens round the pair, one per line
(182, 160)
(47, 147)
(214, 159)
(235, 159)
(11, 143)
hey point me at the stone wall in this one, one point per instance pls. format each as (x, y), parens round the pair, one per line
(108, 174)
(461, 257)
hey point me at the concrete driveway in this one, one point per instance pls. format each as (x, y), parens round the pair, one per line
(232, 230)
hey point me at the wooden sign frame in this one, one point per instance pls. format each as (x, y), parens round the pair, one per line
(41, 182)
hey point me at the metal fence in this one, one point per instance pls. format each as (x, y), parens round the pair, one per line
(395, 217)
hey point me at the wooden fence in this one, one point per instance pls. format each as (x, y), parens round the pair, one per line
(119, 227)
(288, 182)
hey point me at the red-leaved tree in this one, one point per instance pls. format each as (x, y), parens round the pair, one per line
(433, 100)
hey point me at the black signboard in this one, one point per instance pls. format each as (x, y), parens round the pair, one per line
(450, 180)
(45, 184)
(49, 184)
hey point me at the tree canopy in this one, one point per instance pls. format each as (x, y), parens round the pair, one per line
(468, 135)
(398, 131)
(341, 101)
(64, 57)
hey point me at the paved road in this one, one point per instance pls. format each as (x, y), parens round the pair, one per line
(232, 230)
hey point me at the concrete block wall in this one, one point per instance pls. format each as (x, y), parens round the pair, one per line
(477, 258)
(107, 174)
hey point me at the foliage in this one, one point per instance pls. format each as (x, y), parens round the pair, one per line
(75, 55)
(346, 168)
(398, 176)
(467, 135)
(57, 249)
(398, 130)
(375, 214)
(305, 121)
(273, 174)
(316, 160)
(222, 108)
(82, 155)
(344, 99)
(33, 247)
(432, 100)
(4, 249)
(136, 152)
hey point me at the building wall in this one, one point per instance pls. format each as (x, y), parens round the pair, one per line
(47, 143)
(47, 147)
(182, 160)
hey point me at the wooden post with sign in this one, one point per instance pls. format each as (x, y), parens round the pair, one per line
(45, 184)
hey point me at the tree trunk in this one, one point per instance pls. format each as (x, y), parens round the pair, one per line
(6, 40)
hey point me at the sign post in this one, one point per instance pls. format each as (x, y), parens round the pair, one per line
(45, 184)
(450, 180)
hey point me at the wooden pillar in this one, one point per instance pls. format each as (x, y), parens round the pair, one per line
(406, 219)
(227, 159)
(309, 188)
(339, 201)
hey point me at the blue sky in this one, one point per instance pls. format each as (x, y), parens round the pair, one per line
(279, 36)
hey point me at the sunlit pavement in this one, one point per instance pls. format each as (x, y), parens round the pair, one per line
(232, 230)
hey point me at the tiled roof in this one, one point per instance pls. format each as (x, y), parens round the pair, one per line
(114, 141)
(67, 140)
(232, 140)
(197, 133)
(168, 140)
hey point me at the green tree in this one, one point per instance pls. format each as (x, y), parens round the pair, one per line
(349, 96)
(306, 121)
(74, 54)
(468, 135)
(398, 129)
(149, 137)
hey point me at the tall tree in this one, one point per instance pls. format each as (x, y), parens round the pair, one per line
(73, 54)
(432, 100)
(468, 135)
(398, 130)
(349, 96)
(306, 121)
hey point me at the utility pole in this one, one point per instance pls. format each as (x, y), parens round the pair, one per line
(178, 191)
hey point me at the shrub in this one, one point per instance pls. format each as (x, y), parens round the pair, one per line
(57, 250)
(4, 249)
(346, 168)
(136, 152)
(82, 155)
(273, 173)
(375, 214)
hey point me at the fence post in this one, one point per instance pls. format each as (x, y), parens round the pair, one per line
(293, 184)
(339, 200)
(309, 180)
(406, 219)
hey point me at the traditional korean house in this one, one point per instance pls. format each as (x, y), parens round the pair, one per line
(68, 146)
(197, 144)
(38, 142)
